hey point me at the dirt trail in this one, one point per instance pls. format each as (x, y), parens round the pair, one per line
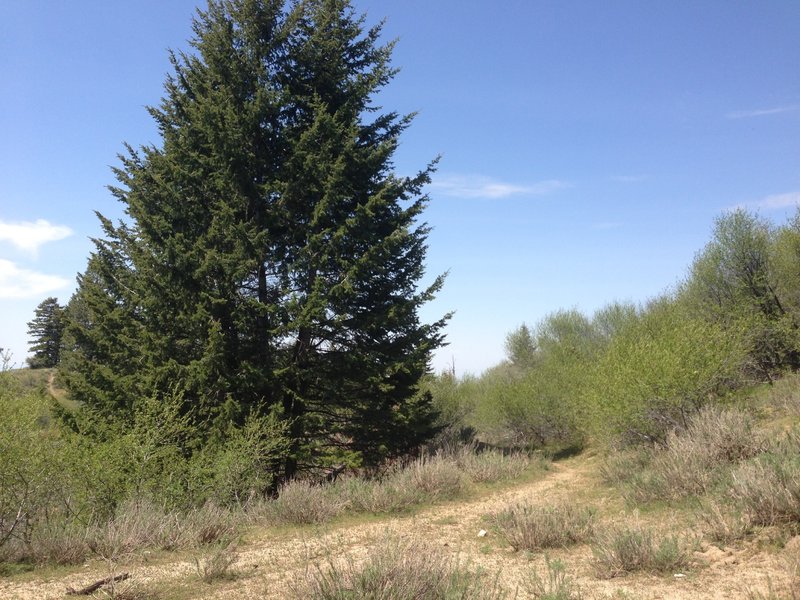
(51, 388)
(269, 563)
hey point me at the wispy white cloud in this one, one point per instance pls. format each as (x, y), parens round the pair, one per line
(762, 112)
(22, 283)
(478, 186)
(28, 236)
(628, 178)
(777, 201)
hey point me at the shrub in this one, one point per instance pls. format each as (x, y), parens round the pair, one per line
(59, 543)
(693, 460)
(436, 477)
(660, 368)
(630, 549)
(723, 524)
(216, 561)
(301, 502)
(768, 489)
(528, 527)
(491, 465)
(557, 586)
(622, 466)
(396, 570)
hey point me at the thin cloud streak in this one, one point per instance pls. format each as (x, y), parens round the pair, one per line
(29, 236)
(746, 114)
(477, 186)
(778, 201)
(628, 178)
(21, 283)
(771, 202)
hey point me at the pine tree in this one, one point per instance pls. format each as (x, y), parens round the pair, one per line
(45, 331)
(271, 260)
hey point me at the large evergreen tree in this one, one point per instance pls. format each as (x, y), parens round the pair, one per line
(271, 260)
(46, 330)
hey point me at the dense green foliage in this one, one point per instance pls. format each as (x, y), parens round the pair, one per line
(46, 330)
(264, 289)
(635, 374)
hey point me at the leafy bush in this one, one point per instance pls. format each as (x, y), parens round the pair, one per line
(660, 370)
(35, 470)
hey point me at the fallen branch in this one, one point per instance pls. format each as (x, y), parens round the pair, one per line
(97, 585)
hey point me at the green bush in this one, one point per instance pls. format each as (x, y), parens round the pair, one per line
(661, 370)
(35, 486)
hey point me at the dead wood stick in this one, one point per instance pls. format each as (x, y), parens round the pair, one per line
(97, 585)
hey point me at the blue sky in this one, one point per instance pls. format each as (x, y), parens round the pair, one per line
(587, 147)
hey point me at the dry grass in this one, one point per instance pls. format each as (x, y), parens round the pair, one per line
(529, 527)
(215, 562)
(622, 466)
(396, 570)
(784, 394)
(406, 485)
(693, 462)
(723, 524)
(141, 525)
(768, 489)
(302, 503)
(556, 586)
(490, 465)
(59, 544)
(437, 477)
(618, 551)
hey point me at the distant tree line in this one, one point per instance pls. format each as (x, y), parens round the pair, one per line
(633, 373)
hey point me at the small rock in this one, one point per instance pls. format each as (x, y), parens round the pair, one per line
(482, 533)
